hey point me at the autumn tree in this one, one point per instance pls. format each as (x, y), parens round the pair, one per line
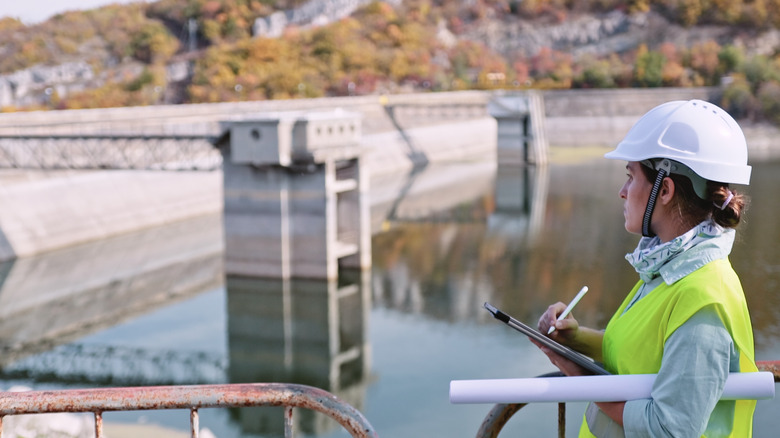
(756, 14)
(727, 11)
(465, 58)
(639, 5)
(673, 73)
(552, 69)
(521, 73)
(705, 61)
(153, 44)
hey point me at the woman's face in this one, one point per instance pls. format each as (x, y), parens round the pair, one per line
(635, 193)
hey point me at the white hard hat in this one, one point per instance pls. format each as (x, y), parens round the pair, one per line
(696, 133)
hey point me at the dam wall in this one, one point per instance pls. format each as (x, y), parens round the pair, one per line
(45, 210)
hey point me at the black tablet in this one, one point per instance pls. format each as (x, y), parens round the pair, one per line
(574, 356)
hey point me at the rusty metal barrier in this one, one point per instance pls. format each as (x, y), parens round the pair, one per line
(193, 398)
(501, 413)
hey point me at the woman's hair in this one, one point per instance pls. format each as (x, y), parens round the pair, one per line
(694, 209)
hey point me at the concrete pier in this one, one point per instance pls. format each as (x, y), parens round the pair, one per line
(522, 136)
(295, 196)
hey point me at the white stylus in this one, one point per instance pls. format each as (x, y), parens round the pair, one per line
(571, 305)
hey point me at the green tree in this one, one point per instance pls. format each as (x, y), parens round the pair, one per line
(730, 59)
(759, 69)
(769, 100)
(648, 67)
(595, 73)
(738, 98)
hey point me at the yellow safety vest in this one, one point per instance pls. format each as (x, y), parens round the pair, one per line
(634, 341)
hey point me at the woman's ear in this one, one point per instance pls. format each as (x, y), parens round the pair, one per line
(666, 193)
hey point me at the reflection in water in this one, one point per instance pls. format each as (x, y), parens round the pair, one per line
(550, 250)
(447, 269)
(520, 200)
(311, 332)
(59, 296)
(756, 257)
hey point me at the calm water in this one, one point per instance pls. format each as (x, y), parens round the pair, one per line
(523, 240)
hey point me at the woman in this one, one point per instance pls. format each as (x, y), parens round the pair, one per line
(686, 319)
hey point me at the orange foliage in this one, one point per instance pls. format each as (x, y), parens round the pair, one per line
(211, 8)
(378, 48)
(704, 58)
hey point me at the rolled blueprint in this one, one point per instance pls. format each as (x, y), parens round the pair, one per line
(739, 386)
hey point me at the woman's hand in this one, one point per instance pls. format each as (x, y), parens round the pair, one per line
(569, 332)
(565, 329)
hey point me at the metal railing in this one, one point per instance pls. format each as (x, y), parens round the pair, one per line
(193, 398)
(119, 151)
(501, 413)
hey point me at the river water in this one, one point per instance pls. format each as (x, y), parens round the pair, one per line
(520, 238)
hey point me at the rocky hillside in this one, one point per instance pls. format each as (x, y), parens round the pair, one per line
(612, 32)
(171, 52)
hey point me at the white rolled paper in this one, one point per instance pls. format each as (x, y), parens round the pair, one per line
(739, 386)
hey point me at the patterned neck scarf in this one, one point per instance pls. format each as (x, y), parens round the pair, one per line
(682, 255)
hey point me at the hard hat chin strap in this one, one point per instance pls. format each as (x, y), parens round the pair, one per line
(664, 169)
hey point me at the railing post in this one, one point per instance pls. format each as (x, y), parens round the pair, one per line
(561, 420)
(194, 423)
(288, 422)
(98, 424)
